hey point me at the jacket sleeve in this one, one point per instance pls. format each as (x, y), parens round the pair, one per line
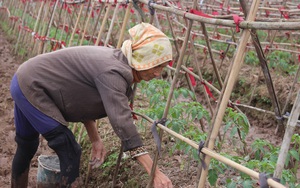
(112, 87)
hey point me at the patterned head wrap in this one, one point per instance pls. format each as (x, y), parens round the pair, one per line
(147, 48)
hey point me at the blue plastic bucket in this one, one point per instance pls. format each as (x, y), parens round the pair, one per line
(48, 175)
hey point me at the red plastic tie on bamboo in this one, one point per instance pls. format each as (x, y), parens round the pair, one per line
(205, 50)
(14, 18)
(267, 49)
(283, 13)
(267, 13)
(221, 5)
(217, 36)
(222, 54)
(237, 20)
(215, 13)
(199, 13)
(192, 78)
(228, 10)
(179, 5)
(208, 91)
(298, 6)
(194, 36)
(287, 34)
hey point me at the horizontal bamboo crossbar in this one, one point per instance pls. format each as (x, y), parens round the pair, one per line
(214, 155)
(229, 23)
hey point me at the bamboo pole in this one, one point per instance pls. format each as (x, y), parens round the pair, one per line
(41, 29)
(70, 23)
(196, 63)
(96, 24)
(229, 23)
(50, 24)
(84, 20)
(291, 89)
(37, 23)
(291, 124)
(214, 155)
(64, 25)
(15, 23)
(103, 24)
(86, 24)
(126, 18)
(111, 25)
(264, 66)
(170, 96)
(211, 55)
(237, 63)
(58, 23)
(22, 25)
(75, 27)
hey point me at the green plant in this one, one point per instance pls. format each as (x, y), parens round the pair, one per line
(251, 58)
(237, 123)
(281, 62)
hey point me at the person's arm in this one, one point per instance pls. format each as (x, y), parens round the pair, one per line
(160, 179)
(98, 150)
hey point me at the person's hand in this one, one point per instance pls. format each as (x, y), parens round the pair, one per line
(98, 154)
(161, 180)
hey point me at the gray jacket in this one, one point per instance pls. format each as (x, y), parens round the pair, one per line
(82, 83)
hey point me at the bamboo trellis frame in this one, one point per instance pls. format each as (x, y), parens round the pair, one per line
(273, 22)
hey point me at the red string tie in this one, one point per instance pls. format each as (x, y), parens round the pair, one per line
(267, 13)
(222, 54)
(192, 78)
(208, 91)
(267, 48)
(199, 13)
(283, 13)
(237, 20)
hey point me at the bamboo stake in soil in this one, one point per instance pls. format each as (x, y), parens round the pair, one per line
(86, 24)
(264, 66)
(37, 20)
(96, 24)
(111, 24)
(21, 28)
(291, 89)
(170, 96)
(292, 122)
(211, 55)
(103, 24)
(127, 15)
(50, 24)
(75, 27)
(226, 91)
(82, 32)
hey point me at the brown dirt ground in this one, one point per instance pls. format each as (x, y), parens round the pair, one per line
(174, 166)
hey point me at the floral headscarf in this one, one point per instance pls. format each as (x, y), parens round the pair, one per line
(147, 48)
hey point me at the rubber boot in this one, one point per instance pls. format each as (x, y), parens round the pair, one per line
(63, 142)
(21, 162)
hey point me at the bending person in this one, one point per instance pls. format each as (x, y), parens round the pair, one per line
(82, 84)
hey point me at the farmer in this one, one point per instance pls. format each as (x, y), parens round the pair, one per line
(82, 84)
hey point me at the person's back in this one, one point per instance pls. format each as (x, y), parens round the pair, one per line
(70, 77)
